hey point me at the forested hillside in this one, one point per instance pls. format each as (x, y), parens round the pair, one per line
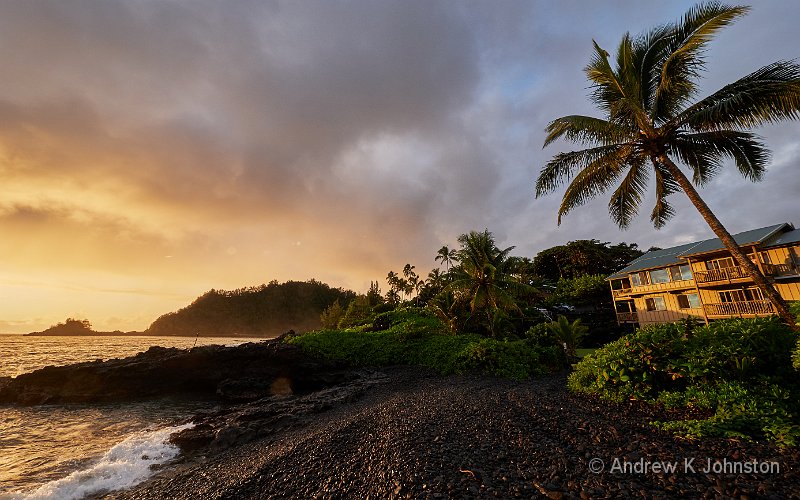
(261, 311)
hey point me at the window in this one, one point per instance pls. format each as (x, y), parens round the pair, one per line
(732, 296)
(689, 301)
(679, 273)
(624, 307)
(753, 294)
(640, 279)
(659, 276)
(655, 304)
(719, 263)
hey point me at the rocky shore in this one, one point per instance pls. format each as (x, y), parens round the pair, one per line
(408, 433)
(230, 374)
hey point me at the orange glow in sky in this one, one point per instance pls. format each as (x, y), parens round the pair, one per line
(151, 151)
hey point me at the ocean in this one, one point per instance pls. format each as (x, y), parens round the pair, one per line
(72, 451)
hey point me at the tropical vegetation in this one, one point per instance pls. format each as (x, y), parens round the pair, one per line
(734, 376)
(263, 311)
(651, 122)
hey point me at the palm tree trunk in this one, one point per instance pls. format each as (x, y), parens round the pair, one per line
(766, 287)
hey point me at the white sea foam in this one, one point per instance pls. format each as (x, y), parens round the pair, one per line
(123, 466)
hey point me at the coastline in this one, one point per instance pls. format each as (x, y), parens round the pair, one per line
(409, 433)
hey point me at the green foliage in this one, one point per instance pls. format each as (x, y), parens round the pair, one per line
(256, 311)
(331, 316)
(359, 312)
(590, 289)
(794, 308)
(568, 334)
(583, 257)
(739, 369)
(414, 336)
(515, 359)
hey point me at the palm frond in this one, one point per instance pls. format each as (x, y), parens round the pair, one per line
(648, 57)
(767, 95)
(564, 165)
(704, 153)
(608, 91)
(683, 55)
(586, 130)
(665, 186)
(595, 178)
(624, 203)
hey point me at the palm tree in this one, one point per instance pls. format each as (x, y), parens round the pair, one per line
(570, 335)
(650, 120)
(447, 256)
(483, 277)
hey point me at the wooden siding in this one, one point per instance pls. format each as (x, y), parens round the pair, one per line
(783, 267)
(671, 314)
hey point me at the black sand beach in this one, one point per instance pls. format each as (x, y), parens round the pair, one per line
(408, 433)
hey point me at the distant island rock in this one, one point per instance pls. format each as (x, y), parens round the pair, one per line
(76, 328)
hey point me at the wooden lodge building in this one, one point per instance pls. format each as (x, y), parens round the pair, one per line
(701, 279)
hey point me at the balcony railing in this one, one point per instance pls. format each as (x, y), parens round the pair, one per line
(747, 308)
(620, 292)
(627, 317)
(779, 269)
(724, 274)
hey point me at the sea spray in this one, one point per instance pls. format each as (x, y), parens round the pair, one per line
(125, 465)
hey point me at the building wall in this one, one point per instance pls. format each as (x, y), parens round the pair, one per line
(788, 287)
(672, 313)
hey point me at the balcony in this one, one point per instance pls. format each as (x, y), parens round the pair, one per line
(724, 274)
(779, 269)
(746, 308)
(621, 292)
(627, 317)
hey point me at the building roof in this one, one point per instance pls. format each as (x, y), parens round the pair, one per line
(769, 236)
(655, 258)
(751, 237)
(789, 237)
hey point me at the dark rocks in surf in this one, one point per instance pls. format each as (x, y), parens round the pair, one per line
(235, 374)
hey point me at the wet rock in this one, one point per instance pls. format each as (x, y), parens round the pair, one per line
(235, 374)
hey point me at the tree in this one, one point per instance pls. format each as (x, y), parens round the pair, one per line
(483, 276)
(447, 256)
(583, 257)
(650, 120)
(568, 334)
(331, 316)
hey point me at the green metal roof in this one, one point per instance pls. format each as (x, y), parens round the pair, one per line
(653, 259)
(770, 236)
(751, 237)
(785, 238)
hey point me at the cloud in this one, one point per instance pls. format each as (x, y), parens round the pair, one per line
(371, 132)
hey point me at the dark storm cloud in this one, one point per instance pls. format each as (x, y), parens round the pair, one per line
(336, 139)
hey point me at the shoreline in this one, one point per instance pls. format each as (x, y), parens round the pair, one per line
(409, 433)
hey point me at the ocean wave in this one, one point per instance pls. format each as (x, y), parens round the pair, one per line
(125, 465)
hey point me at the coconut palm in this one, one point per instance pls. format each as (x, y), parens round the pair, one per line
(650, 123)
(447, 256)
(483, 277)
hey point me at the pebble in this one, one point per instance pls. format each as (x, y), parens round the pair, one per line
(418, 435)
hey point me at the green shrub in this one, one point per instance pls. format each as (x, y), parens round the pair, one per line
(515, 359)
(414, 336)
(739, 369)
(794, 307)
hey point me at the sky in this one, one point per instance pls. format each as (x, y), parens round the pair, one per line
(151, 150)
